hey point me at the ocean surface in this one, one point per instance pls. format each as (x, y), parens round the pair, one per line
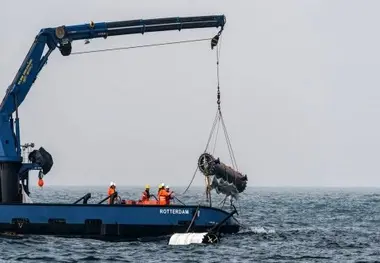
(279, 225)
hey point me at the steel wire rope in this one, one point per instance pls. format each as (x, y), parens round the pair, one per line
(141, 46)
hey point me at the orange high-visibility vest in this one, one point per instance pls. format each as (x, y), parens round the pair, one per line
(162, 196)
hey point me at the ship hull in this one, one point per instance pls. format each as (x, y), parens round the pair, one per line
(110, 222)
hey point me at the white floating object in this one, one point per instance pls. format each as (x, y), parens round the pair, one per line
(192, 238)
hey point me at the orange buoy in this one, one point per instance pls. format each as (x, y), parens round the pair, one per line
(40, 182)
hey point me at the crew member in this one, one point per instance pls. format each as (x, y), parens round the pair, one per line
(160, 187)
(111, 191)
(145, 195)
(162, 195)
(170, 195)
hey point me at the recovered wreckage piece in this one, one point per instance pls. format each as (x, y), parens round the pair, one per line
(225, 179)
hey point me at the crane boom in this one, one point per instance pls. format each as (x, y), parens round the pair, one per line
(61, 37)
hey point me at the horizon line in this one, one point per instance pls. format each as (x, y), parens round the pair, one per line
(201, 186)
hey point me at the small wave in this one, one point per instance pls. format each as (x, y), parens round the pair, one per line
(285, 257)
(38, 258)
(90, 258)
(262, 230)
(257, 230)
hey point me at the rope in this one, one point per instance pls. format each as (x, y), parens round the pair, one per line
(192, 220)
(182, 203)
(229, 145)
(218, 78)
(141, 46)
(212, 130)
(232, 155)
(216, 136)
(192, 179)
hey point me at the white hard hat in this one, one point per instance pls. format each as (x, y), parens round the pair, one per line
(112, 183)
(167, 187)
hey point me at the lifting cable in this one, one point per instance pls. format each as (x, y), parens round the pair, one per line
(141, 46)
(218, 117)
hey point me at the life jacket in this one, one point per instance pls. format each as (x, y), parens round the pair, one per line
(111, 191)
(162, 197)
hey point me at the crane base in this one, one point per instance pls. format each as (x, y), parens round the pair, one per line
(9, 181)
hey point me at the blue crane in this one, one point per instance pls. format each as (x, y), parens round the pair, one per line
(12, 168)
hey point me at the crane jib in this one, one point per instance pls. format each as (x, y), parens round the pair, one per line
(61, 37)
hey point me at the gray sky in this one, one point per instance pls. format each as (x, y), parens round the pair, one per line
(299, 82)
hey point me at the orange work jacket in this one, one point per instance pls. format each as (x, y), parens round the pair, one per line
(162, 197)
(145, 196)
(111, 191)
